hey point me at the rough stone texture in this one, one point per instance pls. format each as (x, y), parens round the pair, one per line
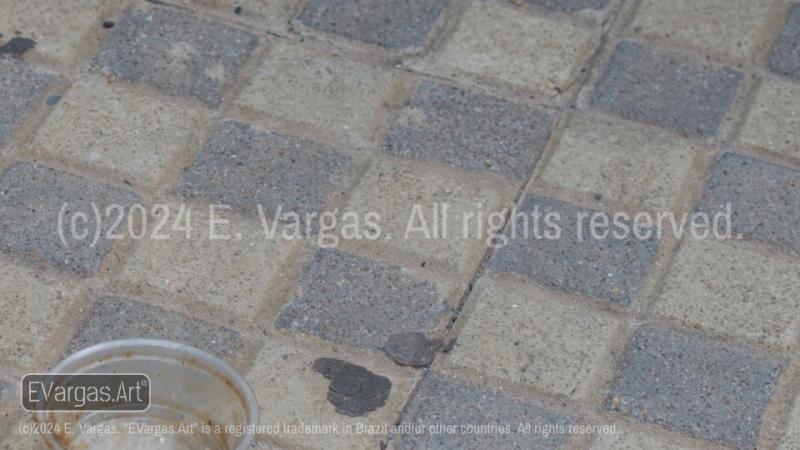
(470, 130)
(687, 382)
(244, 166)
(529, 335)
(110, 127)
(449, 401)
(528, 52)
(8, 392)
(412, 349)
(60, 29)
(30, 305)
(290, 392)
(734, 291)
(31, 198)
(774, 119)
(179, 54)
(792, 438)
(327, 93)
(620, 162)
(272, 14)
(393, 189)
(666, 89)
(232, 275)
(354, 390)
(387, 23)
(764, 199)
(608, 268)
(785, 58)
(732, 28)
(22, 88)
(630, 439)
(112, 317)
(352, 300)
(570, 6)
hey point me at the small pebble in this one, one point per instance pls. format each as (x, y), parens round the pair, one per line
(108, 24)
(237, 10)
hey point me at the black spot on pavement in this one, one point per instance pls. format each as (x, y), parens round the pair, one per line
(108, 24)
(237, 10)
(17, 46)
(412, 349)
(53, 99)
(354, 390)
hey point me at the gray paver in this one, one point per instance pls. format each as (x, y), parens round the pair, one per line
(570, 5)
(352, 300)
(666, 89)
(22, 88)
(179, 54)
(609, 268)
(244, 166)
(785, 58)
(7, 392)
(470, 130)
(31, 199)
(687, 382)
(764, 199)
(448, 401)
(387, 23)
(112, 317)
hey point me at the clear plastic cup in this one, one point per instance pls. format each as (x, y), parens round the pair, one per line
(188, 388)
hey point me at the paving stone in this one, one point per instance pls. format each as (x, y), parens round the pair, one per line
(629, 439)
(327, 93)
(734, 291)
(731, 28)
(59, 29)
(570, 6)
(446, 401)
(351, 300)
(666, 89)
(785, 58)
(470, 130)
(30, 305)
(404, 194)
(764, 199)
(273, 14)
(31, 198)
(8, 392)
(228, 274)
(13, 439)
(620, 161)
(529, 335)
(110, 127)
(179, 54)
(792, 438)
(609, 268)
(22, 89)
(687, 382)
(243, 166)
(530, 53)
(387, 23)
(111, 317)
(774, 119)
(291, 393)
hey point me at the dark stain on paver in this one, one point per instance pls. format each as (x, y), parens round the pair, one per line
(53, 99)
(108, 24)
(412, 349)
(354, 390)
(17, 46)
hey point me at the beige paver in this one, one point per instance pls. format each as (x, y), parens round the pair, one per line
(61, 29)
(498, 42)
(290, 393)
(527, 334)
(326, 93)
(630, 438)
(774, 119)
(33, 308)
(232, 275)
(727, 288)
(635, 165)
(792, 438)
(113, 127)
(404, 194)
(732, 28)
